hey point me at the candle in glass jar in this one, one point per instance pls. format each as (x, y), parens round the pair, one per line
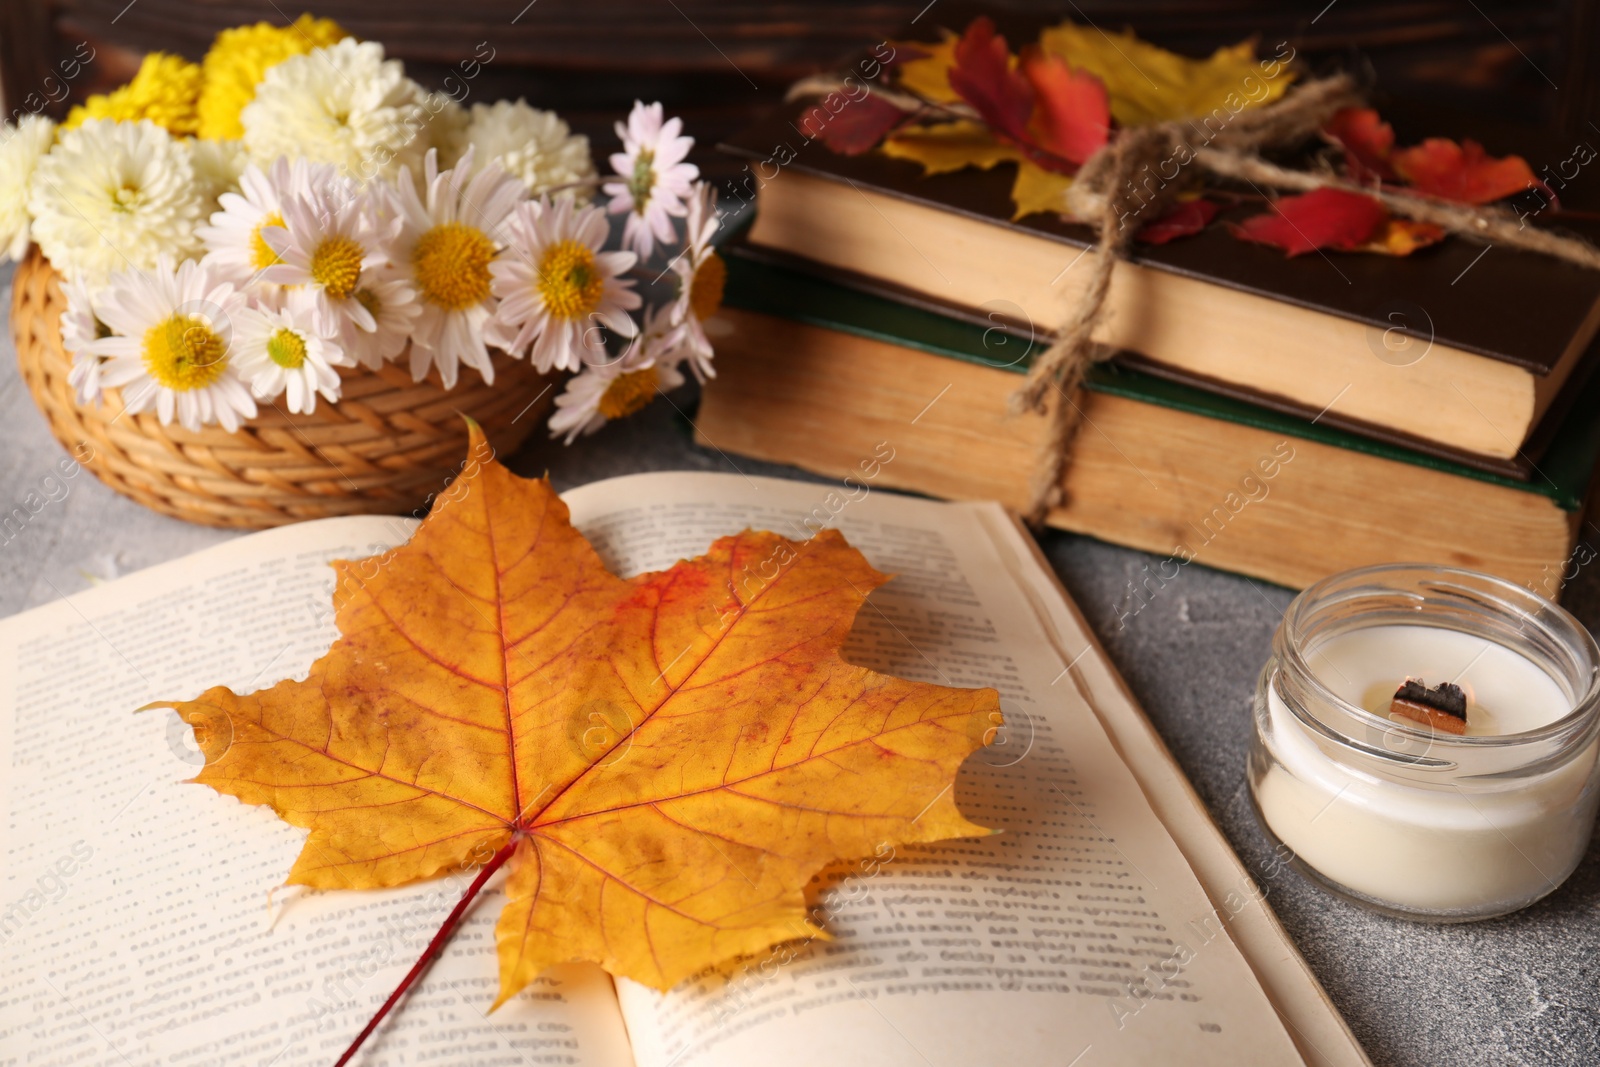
(1506, 692)
(1400, 816)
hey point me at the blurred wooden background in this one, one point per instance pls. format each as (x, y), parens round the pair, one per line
(720, 63)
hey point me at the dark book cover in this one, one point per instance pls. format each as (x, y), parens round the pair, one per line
(1514, 306)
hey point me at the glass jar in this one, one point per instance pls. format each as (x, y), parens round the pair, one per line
(1392, 814)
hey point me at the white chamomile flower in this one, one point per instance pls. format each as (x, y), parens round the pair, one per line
(533, 145)
(332, 242)
(393, 306)
(561, 294)
(114, 196)
(653, 179)
(453, 233)
(344, 104)
(701, 277)
(80, 329)
(615, 390)
(280, 349)
(171, 344)
(21, 148)
(234, 245)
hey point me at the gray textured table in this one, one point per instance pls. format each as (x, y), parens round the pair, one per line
(1519, 990)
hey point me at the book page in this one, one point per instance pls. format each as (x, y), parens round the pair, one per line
(1319, 1031)
(1079, 935)
(135, 923)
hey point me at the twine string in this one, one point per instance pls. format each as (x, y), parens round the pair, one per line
(1122, 186)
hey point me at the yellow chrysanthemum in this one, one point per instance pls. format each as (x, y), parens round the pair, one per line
(164, 91)
(241, 56)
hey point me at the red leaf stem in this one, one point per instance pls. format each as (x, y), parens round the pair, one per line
(435, 946)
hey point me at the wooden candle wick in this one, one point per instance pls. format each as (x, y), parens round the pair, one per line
(1444, 707)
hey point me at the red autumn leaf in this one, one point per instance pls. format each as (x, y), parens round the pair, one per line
(1462, 172)
(1072, 114)
(1184, 220)
(1367, 142)
(1322, 218)
(856, 128)
(984, 78)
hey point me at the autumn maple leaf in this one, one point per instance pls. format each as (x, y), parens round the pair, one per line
(1184, 219)
(1147, 83)
(1055, 115)
(1437, 167)
(985, 77)
(663, 762)
(857, 127)
(1322, 218)
(1367, 142)
(1072, 116)
(1335, 218)
(1462, 172)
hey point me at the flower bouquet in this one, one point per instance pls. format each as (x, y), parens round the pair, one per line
(247, 287)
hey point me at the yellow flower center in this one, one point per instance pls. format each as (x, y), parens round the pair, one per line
(369, 300)
(451, 262)
(570, 282)
(261, 254)
(705, 290)
(183, 353)
(286, 348)
(628, 393)
(336, 265)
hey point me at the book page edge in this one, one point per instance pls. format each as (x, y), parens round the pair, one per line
(1309, 1014)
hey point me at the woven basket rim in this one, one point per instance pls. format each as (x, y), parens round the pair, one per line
(384, 446)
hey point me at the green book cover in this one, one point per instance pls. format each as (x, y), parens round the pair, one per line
(1563, 473)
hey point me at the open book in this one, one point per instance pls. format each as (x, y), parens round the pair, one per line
(1109, 924)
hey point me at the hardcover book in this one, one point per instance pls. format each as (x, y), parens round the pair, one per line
(814, 372)
(1494, 334)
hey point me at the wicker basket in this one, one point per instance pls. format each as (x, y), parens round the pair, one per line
(384, 447)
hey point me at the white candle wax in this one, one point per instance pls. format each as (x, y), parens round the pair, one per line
(1425, 846)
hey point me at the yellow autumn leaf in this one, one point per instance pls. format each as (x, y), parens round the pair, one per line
(930, 77)
(1037, 189)
(661, 762)
(950, 146)
(1148, 84)
(1401, 237)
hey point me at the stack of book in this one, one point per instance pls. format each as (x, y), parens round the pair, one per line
(1284, 418)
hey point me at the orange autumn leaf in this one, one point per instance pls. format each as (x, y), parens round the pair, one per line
(1055, 115)
(1367, 141)
(662, 762)
(1462, 172)
(1401, 237)
(1071, 116)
